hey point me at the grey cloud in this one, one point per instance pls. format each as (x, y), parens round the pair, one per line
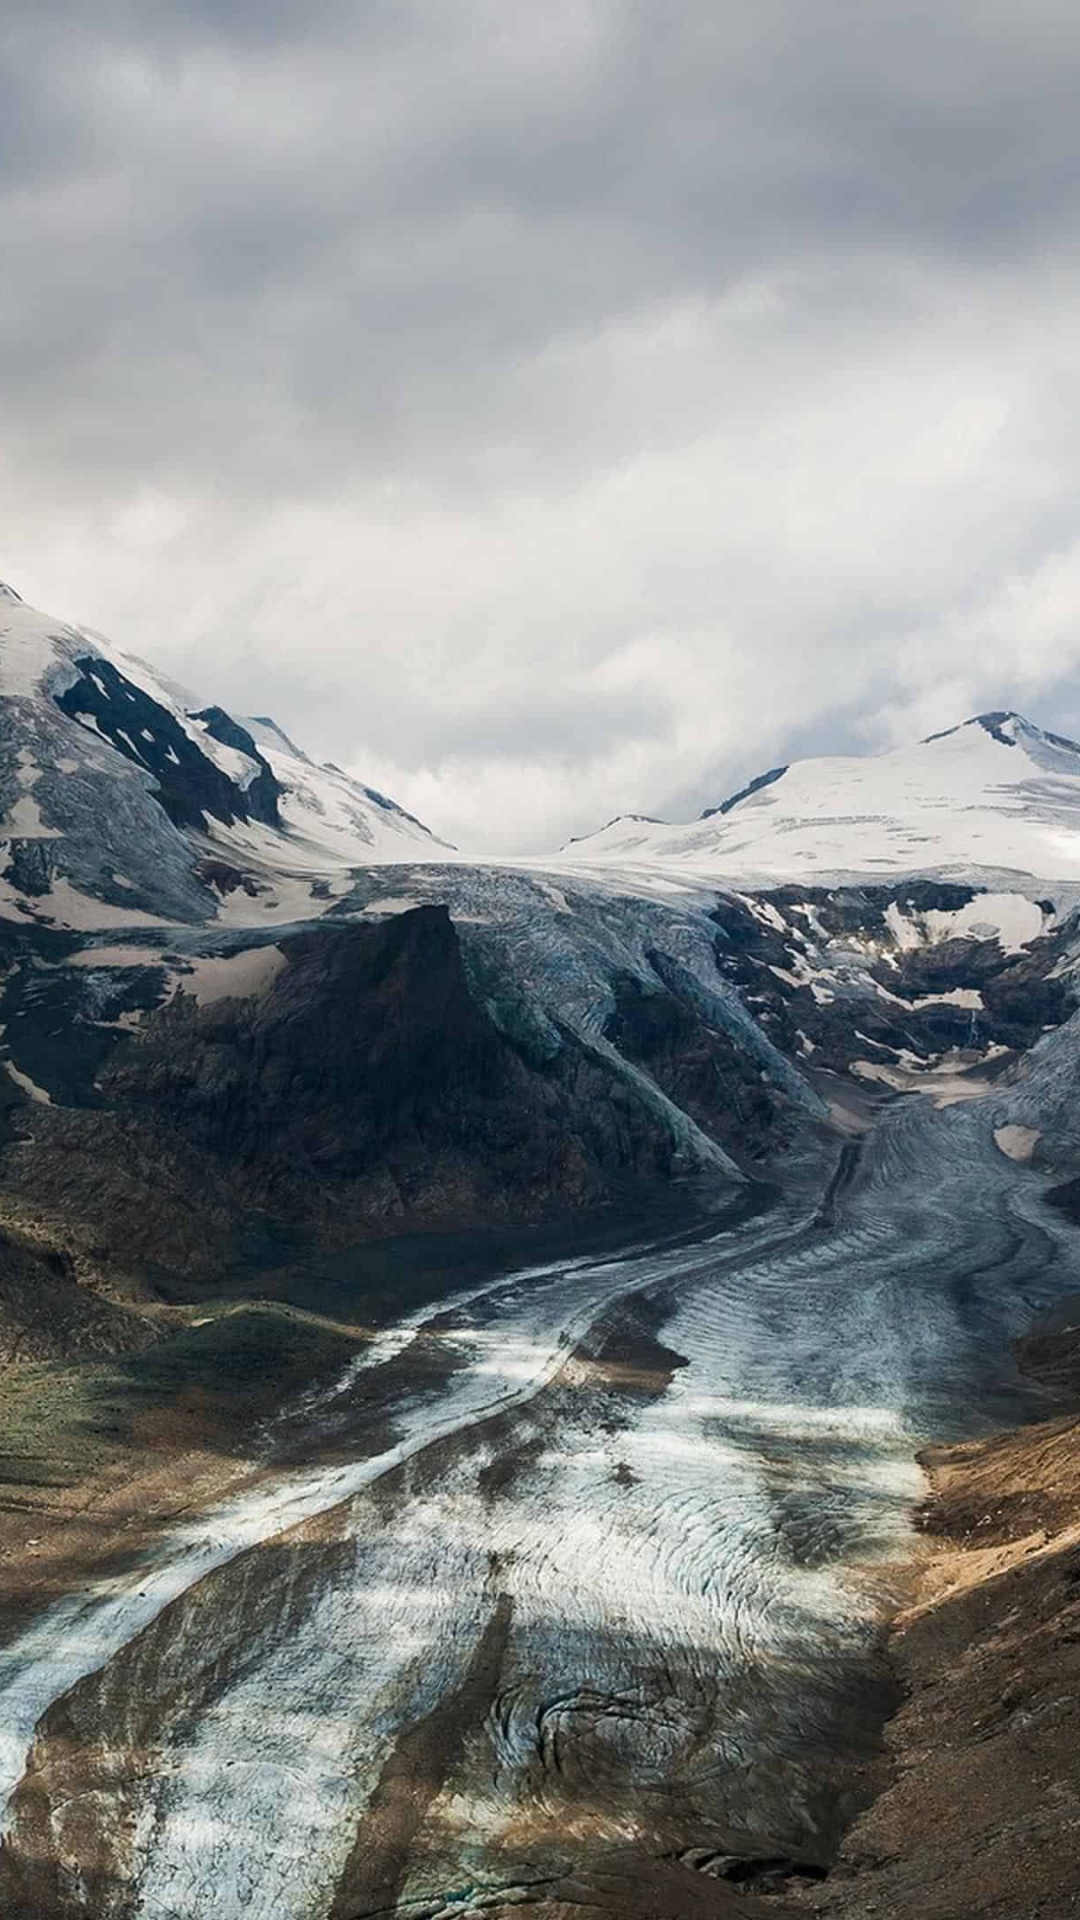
(574, 728)
(402, 200)
(615, 317)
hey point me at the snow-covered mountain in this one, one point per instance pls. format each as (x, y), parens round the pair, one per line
(996, 794)
(877, 916)
(125, 798)
(327, 810)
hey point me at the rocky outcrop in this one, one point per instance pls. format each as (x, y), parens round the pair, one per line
(188, 784)
(701, 1068)
(369, 1064)
(365, 1092)
(261, 794)
(875, 973)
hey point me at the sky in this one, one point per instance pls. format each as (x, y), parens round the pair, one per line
(551, 412)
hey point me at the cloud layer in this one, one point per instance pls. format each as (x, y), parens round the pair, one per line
(552, 411)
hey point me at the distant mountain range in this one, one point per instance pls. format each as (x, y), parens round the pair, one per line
(317, 1011)
(126, 799)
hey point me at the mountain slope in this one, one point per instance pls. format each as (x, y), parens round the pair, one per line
(124, 800)
(997, 794)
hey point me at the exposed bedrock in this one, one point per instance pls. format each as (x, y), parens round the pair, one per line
(980, 1818)
(367, 1089)
(47, 1311)
(900, 972)
(369, 1069)
(188, 785)
(703, 1070)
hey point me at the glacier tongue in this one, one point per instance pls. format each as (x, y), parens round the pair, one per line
(603, 1574)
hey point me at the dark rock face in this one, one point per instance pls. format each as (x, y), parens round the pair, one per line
(367, 1091)
(823, 973)
(747, 951)
(1023, 1000)
(63, 1022)
(224, 878)
(46, 1312)
(189, 784)
(752, 786)
(261, 795)
(368, 1035)
(841, 910)
(30, 867)
(701, 1069)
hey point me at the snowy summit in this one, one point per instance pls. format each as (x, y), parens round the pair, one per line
(996, 793)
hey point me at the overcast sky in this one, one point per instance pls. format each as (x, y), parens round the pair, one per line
(552, 410)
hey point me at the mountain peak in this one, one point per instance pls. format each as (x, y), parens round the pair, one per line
(1009, 728)
(1002, 725)
(620, 820)
(102, 751)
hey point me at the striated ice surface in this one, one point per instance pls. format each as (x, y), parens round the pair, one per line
(663, 1468)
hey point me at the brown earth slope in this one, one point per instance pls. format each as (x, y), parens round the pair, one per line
(983, 1819)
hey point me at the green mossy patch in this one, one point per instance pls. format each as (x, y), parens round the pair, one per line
(207, 1385)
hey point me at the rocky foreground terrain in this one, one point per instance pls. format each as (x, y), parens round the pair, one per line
(983, 1814)
(470, 1333)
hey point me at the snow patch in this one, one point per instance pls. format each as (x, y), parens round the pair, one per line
(23, 821)
(1012, 919)
(111, 957)
(83, 914)
(236, 976)
(948, 1081)
(29, 1086)
(390, 903)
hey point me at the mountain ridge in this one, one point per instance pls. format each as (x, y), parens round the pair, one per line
(948, 803)
(255, 803)
(104, 761)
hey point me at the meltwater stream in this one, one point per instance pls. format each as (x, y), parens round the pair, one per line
(595, 1589)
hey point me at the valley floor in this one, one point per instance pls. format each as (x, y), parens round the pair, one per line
(569, 1592)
